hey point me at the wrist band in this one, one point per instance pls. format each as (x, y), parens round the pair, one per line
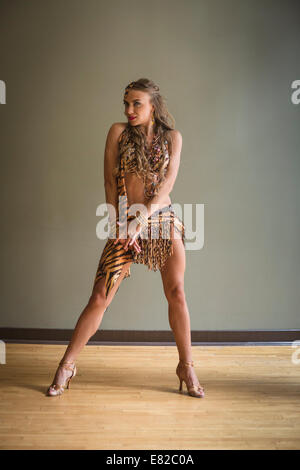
(142, 220)
(113, 229)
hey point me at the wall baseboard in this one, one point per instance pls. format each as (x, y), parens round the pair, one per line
(50, 335)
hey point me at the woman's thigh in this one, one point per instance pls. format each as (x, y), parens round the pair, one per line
(172, 273)
(100, 287)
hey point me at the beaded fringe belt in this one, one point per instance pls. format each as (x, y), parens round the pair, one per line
(155, 250)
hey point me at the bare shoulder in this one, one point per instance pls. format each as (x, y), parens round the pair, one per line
(176, 138)
(116, 130)
(176, 134)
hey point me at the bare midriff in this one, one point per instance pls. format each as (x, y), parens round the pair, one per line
(135, 192)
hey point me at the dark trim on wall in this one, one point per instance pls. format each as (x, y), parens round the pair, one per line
(49, 335)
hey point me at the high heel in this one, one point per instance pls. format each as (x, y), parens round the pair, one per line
(57, 389)
(194, 390)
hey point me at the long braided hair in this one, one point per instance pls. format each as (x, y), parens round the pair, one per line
(135, 135)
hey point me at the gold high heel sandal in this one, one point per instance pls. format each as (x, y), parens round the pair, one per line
(56, 389)
(194, 390)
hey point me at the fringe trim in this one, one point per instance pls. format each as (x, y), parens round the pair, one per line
(156, 250)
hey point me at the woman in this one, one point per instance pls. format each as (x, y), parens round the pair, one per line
(141, 163)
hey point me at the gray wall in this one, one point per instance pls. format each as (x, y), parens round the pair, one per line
(225, 68)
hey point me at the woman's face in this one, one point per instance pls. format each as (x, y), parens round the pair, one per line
(137, 104)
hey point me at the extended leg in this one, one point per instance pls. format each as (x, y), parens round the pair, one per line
(88, 322)
(173, 283)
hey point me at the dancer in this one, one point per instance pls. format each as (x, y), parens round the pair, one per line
(141, 164)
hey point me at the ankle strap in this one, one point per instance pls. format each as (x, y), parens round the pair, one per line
(66, 362)
(187, 363)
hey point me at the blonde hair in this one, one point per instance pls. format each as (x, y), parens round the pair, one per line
(164, 123)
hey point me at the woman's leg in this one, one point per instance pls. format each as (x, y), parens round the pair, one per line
(88, 322)
(172, 275)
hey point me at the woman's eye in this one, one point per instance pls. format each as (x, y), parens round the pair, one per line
(126, 104)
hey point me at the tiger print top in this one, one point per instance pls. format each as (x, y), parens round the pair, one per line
(155, 156)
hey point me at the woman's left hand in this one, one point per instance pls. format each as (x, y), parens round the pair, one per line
(131, 241)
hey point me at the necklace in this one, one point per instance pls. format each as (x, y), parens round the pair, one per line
(151, 148)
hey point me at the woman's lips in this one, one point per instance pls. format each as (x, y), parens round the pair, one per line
(132, 118)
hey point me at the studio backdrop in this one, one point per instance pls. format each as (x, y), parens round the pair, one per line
(230, 73)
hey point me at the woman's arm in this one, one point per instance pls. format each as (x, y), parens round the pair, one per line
(171, 173)
(110, 161)
(110, 182)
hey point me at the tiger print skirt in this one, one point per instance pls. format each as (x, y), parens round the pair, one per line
(156, 242)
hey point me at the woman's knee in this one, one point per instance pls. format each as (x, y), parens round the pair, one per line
(97, 297)
(175, 293)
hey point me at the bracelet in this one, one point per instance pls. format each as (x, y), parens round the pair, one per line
(142, 220)
(113, 229)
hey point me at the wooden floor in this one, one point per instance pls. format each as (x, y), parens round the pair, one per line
(126, 397)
